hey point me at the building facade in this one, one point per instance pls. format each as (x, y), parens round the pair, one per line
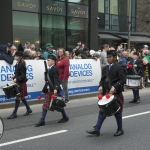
(60, 22)
(114, 20)
(143, 16)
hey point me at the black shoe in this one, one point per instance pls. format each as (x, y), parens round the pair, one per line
(40, 123)
(119, 133)
(138, 101)
(12, 116)
(27, 113)
(93, 132)
(133, 101)
(63, 120)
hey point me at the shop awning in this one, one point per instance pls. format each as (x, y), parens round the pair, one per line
(137, 39)
(108, 36)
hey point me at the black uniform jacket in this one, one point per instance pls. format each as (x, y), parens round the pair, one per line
(117, 76)
(20, 72)
(53, 75)
(139, 68)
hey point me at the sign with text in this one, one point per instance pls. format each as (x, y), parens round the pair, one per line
(84, 77)
(53, 7)
(26, 5)
(75, 10)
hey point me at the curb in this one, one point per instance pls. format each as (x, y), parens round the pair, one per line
(36, 101)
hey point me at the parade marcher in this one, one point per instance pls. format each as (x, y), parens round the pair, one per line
(138, 70)
(20, 79)
(49, 91)
(117, 78)
(63, 66)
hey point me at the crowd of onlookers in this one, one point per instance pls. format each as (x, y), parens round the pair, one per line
(80, 51)
(7, 52)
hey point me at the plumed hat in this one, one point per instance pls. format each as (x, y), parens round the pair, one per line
(112, 53)
(18, 53)
(20, 48)
(52, 57)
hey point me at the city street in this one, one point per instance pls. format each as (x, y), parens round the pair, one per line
(20, 133)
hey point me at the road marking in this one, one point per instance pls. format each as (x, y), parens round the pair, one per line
(32, 138)
(134, 115)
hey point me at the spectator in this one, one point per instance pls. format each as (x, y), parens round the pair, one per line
(63, 65)
(32, 47)
(48, 51)
(20, 48)
(86, 55)
(119, 47)
(27, 45)
(26, 49)
(104, 55)
(13, 48)
(78, 45)
(123, 59)
(77, 54)
(67, 54)
(5, 53)
(39, 53)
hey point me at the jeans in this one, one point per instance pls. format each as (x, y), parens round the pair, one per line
(65, 87)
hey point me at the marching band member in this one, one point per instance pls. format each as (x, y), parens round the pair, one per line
(117, 76)
(138, 70)
(20, 79)
(49, 91)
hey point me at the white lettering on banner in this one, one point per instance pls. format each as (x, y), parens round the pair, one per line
(8, 71)
(77, 70)
(84, 77)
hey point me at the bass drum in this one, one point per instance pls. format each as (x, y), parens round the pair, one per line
(1, 127)
(109, 106)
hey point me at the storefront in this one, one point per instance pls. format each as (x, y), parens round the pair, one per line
(60, 22)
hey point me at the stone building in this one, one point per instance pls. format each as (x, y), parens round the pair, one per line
(143, 16)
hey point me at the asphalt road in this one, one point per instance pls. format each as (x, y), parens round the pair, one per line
(20, 133)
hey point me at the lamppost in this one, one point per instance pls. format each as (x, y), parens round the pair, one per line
(129, 23)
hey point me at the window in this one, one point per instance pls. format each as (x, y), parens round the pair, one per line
(77, 31)
(107, 6)
(26, 28)
(101, 6)
(114, 7)
(53, 30)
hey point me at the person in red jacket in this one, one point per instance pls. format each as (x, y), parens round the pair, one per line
(63, 65)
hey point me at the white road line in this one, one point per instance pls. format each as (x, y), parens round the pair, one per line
(32, 138)
(62, 131)
(134, 115)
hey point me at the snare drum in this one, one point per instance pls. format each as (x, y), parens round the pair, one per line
(58, 103)
(11, 90)
(133, 81)
(109, 106)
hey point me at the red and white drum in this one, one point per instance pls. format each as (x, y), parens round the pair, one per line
(109, 106)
